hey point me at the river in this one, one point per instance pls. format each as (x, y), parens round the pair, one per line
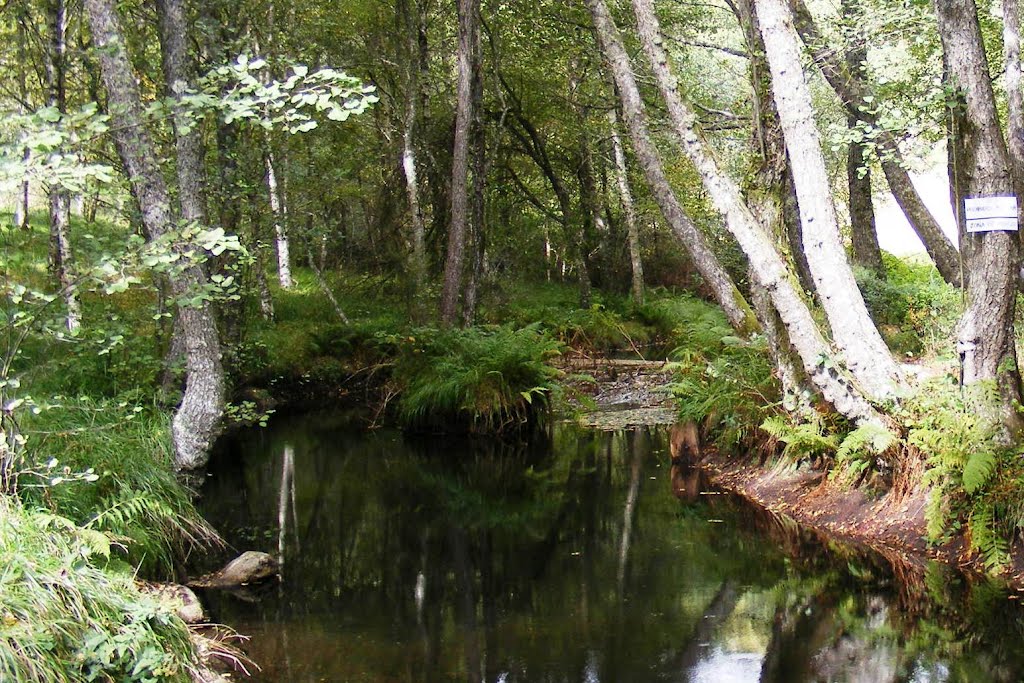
(580, 557)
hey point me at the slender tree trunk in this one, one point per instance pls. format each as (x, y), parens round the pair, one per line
(468, 14)
(852, 90)
(277, 211)
(985, 336)
(626, 197)
(736, 308)
(852, 328)
(866, 252)
(1014, 94)
(771, 272)
(20, 219)
(197, 420)
(589, 211)
(479, 163)
(418, 261)
(60, 201)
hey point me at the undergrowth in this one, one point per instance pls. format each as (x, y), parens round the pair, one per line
(476, 379)
(722, 381)
(135, 498)
(65, 616)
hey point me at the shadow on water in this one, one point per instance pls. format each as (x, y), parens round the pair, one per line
(580, 557)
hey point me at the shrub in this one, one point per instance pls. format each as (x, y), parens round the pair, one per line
(477, 379)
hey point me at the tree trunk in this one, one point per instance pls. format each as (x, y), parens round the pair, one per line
(418, 261)
(736, 308)
(864, 237)
(768, 266)
(60, 200)
(628, 209)
(277, 211)
(468, 14)
(866, 252)
(478, 143)
(854, 333)
(1014, 94)
(852, 90)
(197, 420)
(985, 333)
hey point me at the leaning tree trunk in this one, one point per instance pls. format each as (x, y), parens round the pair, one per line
(769, 268)
(60, 198)
(736, 308)
(197, 419)
(468, 13)
(985, 333)
(626, 197)
(853, 331)
(853, 90)
(277, 211)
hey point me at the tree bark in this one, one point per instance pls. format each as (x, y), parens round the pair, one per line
(985, 336)
(736, 308)
(468, 11)
(1014, 94)
(197, 420)
(853, 331)
(626, 197)
(771, 273)
(60, 199)
(418, 260)
(479, 170)
(864, 237)
(277, 211)
(852, 90)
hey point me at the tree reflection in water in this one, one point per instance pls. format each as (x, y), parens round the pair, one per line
(568, 559)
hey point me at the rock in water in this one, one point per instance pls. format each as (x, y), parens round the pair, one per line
(185, 603)
(249, 567)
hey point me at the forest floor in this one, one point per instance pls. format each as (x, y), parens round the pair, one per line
(620, 394)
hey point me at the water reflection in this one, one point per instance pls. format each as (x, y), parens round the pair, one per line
(584, 557)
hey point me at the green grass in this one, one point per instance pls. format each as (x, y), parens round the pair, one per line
(63, 617)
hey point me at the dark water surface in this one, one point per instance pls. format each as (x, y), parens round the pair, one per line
(579, 558)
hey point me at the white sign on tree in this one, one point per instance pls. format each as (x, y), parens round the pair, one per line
(985, 214)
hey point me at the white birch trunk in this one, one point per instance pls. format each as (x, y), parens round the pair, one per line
(277, 210)
(628, 209)
(768, 266)
(853, 331)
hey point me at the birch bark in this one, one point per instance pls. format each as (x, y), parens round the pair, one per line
(853, 331)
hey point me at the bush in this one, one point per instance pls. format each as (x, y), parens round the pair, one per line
(478, 379)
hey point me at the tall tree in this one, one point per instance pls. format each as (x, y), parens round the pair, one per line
(853, 90)
(852, 328)
(197, 419)
(59, 197)
(769, 268)
(628, 209)
(985, 338)
(864, 237)
(454, 261)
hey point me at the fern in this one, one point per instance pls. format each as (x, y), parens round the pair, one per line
(985, 538)
(978, 470)
(806, 439)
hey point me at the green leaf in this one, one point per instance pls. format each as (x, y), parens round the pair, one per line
(978, 469)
